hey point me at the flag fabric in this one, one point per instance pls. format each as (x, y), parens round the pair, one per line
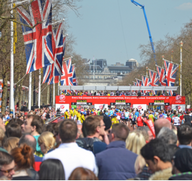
(58, 52)
(161, 75)
(36, 27)
(145, 82)
(67, 76)
(170, 93)
(134, 83)
(154, 80)
(170, 72)
(46, 74)
(74, 75)
(139, 82)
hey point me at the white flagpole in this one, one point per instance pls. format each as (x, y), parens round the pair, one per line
(30, 81)
(12, 107)
(39, 95)
(53, 95)
(181, 45)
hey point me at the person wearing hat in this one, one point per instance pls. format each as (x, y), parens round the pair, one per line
(114, 120)
(71, 113)
(83, 114)
(182, 165)
(67, 115)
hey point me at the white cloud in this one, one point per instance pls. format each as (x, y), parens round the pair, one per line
(185, 6)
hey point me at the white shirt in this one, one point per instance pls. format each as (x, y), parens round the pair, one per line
(176, 121)
(73, 156)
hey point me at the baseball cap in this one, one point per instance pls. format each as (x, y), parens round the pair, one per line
(183, 160)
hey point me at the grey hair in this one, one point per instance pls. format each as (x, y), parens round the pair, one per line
(167, 136)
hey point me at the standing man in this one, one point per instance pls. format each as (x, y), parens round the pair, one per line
(94, 129)
(33, 125)
(7, 166)
(69, 153)
(116, 162)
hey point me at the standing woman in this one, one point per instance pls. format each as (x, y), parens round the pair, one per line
(46, 142)
(24, 159)
(51, 169)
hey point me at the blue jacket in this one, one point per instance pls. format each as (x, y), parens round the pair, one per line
(116, 162)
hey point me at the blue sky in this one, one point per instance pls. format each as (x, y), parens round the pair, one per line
(114, 29)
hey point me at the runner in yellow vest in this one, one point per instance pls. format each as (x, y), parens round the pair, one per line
(67, 115)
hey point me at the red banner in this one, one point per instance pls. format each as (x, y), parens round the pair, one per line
(117, 100)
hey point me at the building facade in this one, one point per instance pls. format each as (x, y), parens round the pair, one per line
(99, 73)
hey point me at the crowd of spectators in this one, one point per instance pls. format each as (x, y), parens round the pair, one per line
(114, 144)
(116, 93)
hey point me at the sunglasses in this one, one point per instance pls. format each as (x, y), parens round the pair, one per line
(8, 171)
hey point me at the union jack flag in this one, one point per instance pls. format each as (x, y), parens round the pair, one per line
(56, 67)
(74, 76)
(145, 82)
(161, 75)
(46, 74)
(154, 80)
(170, 72)
(134, 83)
(38, 51)
(67, 76)
(138, 82)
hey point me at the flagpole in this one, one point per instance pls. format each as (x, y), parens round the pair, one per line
(53, 95)
(181, 45)
(39, 95)
(12, 107)
(30, 82)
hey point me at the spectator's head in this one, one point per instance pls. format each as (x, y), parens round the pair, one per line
(135, 141)
(94, 125)
(157, 155)
(139, 164)
(56, 132)
(68, 131)
(2, 136)
(7, 165)
(46, 141)
(161, 122)
(144, 131)
(10, 143)
(167, 136)
(33, 124)
(107, 122)
(2, 124)
(182, 161)
(15, 120)
(23, 157)
(119, 132)
(51, 169)
(28, 140)
(184, 134)
(81, 173)
(50, 127)
(13, 130)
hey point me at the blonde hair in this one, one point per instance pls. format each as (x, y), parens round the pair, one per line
(139, 164)
(10, 143)
(48, 139)
(135, 141)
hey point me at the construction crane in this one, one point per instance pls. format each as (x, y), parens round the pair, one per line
(150, 37)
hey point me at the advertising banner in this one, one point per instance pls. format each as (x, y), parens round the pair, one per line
(120, 100)
(62, 107)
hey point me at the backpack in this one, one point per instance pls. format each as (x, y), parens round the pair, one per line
(86, 143)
